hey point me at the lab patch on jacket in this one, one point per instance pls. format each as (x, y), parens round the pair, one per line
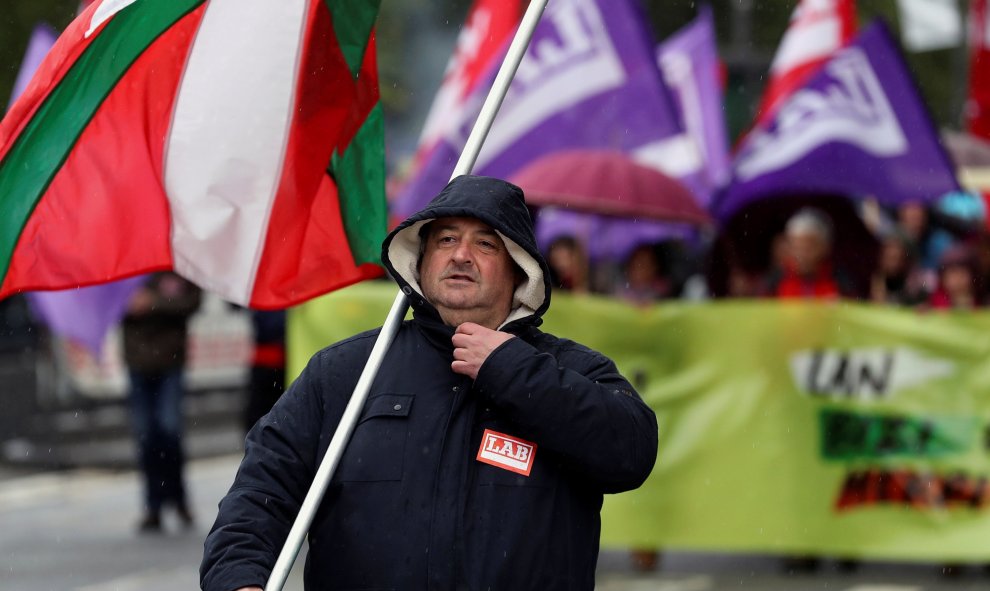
(509, 453)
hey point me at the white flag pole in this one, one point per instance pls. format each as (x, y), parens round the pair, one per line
(294, 541)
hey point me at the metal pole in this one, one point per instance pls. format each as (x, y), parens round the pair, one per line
(294, 541)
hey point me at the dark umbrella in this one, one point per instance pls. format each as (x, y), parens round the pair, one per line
(610, 183)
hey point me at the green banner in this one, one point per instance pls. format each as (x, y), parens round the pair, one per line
(823, 428)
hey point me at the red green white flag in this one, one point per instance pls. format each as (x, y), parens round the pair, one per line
(239, 142)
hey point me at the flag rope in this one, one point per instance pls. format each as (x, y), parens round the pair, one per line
(352, 412)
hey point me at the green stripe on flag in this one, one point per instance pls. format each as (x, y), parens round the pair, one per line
(47, 140)
(352, 24)
(360, 176)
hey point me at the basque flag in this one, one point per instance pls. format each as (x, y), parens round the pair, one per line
(239, 142)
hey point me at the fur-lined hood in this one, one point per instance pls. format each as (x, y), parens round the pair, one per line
(497, 203)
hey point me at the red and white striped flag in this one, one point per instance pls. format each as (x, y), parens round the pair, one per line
(197, 135)
(817, 29)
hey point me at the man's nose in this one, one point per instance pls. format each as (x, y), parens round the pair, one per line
(462, 254)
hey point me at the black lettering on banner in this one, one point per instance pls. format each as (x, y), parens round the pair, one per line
(816, 364)
(925, 434)
(840, 379)
(847, 435)
(890, 436)
(877, 382)
(849, 374)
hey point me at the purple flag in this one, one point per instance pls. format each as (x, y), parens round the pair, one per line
(690, 65)
(857, 128)
(84, 314)
(689, 62)
(589, 80)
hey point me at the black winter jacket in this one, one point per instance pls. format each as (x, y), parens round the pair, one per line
(410, 505)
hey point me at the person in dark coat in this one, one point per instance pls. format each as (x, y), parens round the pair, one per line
(484, 448)
(155, 332)
(267, 377)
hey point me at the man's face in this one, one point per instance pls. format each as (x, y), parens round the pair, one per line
(466, 272)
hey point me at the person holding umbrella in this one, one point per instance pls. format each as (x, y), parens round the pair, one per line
(484, 448)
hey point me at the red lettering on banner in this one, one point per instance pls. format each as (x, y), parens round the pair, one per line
(918, 490)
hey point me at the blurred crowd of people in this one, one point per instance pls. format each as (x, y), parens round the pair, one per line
(914, 255)
(650, 272)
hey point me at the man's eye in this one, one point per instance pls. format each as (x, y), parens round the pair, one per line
(446, 239)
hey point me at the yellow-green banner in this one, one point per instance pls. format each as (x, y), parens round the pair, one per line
(824, 428)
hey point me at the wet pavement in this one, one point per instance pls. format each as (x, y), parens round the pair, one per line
(75, 531)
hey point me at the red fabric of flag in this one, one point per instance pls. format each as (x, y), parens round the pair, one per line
(817, 29)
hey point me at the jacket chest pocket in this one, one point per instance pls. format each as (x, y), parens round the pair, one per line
(377, 447)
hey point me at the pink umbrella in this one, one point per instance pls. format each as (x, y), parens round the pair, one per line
(605, 237)
(610, 183)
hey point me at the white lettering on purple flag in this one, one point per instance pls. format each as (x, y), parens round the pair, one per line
(851, 108)
(684, 153)
(676, 155)
(571, 59)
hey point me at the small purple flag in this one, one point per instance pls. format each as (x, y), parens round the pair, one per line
(86, 314)
(690, 65)
(857, 128)
(589, 80)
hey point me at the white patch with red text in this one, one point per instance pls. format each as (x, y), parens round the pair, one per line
(509, 453)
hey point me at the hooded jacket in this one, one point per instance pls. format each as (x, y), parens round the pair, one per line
(416, 501)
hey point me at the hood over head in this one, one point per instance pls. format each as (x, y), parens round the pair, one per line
(495, 202)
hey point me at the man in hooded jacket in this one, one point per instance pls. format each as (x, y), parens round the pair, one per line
(484, 448)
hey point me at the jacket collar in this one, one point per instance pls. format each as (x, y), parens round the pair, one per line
(427, 319)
